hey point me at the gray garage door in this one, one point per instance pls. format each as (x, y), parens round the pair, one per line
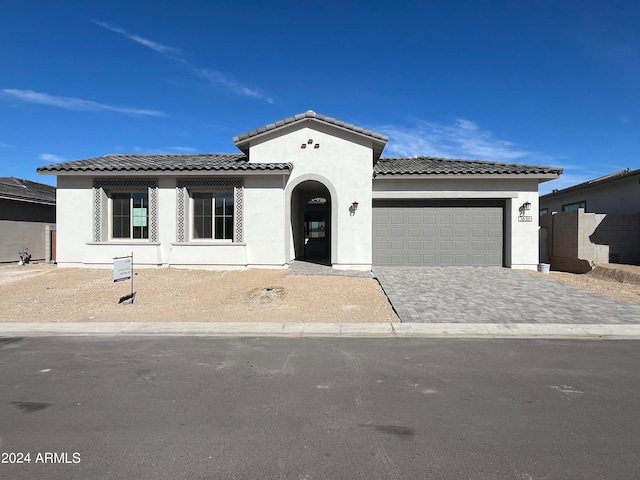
(438, 234)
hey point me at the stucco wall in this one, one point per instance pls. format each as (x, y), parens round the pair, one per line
(343, 163)
(27, 211)
(620, 197)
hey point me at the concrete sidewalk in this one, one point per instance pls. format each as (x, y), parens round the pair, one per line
(365, 330)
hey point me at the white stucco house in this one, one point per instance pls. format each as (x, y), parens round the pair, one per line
(308, 186)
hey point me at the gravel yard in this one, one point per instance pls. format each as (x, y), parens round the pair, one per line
(40, 293)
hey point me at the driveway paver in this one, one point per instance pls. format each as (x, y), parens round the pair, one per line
(494, 295)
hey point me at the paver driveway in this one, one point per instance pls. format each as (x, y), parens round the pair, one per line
(494, 295)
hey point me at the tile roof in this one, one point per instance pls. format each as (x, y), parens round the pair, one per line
(379, 140)
(25, 190)
(165, 163)
(313, 115)
(444, 166)
(612, 177)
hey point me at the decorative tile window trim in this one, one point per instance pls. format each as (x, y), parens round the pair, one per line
(183, 187)
(100, 220)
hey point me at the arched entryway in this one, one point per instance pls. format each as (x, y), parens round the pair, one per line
(311, 222)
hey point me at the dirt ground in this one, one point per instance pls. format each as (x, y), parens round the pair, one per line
(617, 281)
(44, 293)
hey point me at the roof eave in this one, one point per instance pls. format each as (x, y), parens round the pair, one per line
(27, 200)
(586, 185)
(167, 173)
(425, 176)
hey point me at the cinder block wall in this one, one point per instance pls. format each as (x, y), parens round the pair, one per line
(577, 240)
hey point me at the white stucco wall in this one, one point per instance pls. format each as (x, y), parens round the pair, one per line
(74, 219)
(520, 238)
(343, 162)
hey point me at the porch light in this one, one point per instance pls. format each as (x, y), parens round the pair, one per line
(354, 205)
(526, 206)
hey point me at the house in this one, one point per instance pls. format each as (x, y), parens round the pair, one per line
(592, 223)
(27, 218)
(308, 186)
(617, 193)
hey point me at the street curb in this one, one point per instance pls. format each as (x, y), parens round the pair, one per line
(344, 330)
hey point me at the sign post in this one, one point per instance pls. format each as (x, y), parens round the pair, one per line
(123, 270)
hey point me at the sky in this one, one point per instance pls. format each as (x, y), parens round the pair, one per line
(553, 83)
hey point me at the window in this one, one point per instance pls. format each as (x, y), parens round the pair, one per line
(570, 207)
(544, 211)
(130, 215)
(209, 208)
(213, 215)
(125, 209)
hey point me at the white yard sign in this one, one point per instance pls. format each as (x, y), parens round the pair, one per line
(121, 269)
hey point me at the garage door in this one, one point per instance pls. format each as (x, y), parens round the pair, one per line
(441, 234)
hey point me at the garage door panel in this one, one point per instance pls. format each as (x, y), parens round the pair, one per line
(445, 245)
(461, 245)
(414, 245)
(429, 245)
(397, 245)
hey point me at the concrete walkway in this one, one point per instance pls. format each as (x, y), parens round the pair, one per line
(489, 295)
(301, 267)
(364, 330)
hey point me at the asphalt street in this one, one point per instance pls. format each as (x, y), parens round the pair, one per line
(318, 408)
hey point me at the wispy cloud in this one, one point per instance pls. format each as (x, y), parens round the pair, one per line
(158, 47)
(462, 139)
(231, 84)
(624, 119)
(50, 157)
(70, 103)
(182, 149)
(213, 76)
(5, 145)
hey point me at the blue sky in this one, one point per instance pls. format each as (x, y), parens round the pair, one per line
(551, 83)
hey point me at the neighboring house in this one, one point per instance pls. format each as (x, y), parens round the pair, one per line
(308, 186)
(27, 215)
(593, 222)
(617, 192)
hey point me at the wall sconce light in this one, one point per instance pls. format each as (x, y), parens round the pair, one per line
(353, 208)
(523, 209)
(304, 145)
